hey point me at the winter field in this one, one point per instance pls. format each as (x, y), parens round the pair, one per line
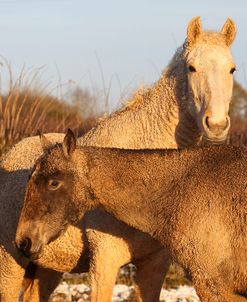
(122, 293)
(75, 288)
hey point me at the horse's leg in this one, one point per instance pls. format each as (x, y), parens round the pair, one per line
(11, 277)
(106, 258)
(150, 275)
(102, 280)
(42, 286)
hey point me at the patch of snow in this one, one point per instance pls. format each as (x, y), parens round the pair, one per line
(81, 293)
(121, 292)
(181, 294)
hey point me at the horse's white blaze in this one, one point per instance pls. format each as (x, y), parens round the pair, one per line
(211, 83)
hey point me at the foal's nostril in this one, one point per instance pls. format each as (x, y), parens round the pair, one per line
(26, 245)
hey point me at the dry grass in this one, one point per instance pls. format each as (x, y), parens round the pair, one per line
(25, 110)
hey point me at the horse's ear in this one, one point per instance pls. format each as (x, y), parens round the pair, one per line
(69, 143)
(45, 143)
(194, 30)
(229, 31)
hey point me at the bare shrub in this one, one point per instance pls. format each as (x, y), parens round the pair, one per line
(238, 131)
(238, 105)
(24, 110)
(238, 111)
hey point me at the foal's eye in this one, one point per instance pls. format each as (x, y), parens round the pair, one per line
(191, 68)
(233, 69)
(54, 184)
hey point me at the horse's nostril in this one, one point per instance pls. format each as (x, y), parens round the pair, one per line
(216, 126)
(207, 121)
(228, 122)
(26, 245)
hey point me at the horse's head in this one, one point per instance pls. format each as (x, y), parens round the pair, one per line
(49, 205)
(210, 67)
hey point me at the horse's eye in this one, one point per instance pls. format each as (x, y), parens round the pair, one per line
(232, 70)
(54, 184)
(191, 68)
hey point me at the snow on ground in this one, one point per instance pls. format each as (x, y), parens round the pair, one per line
(122, 293)
(181, 294)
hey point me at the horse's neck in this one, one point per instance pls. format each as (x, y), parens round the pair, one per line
(160, 119)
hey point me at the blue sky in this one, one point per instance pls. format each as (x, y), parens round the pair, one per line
(133, 39)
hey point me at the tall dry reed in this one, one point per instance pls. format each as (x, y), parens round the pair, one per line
(25, 109)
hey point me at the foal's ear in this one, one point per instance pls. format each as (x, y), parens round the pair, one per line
(45, 143)
(229, 31)
(69, 143)
(194, 30)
